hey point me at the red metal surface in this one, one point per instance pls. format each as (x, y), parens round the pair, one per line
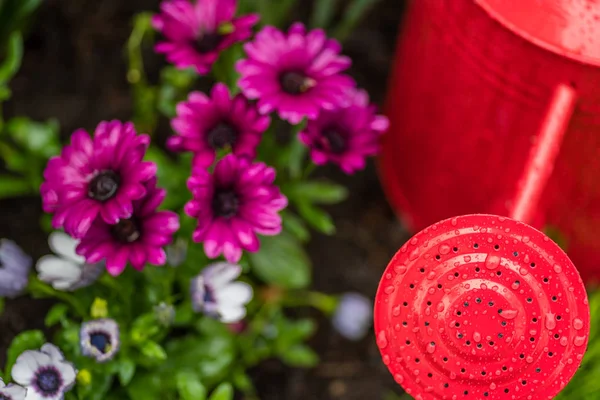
(468, 97)
(481, 306)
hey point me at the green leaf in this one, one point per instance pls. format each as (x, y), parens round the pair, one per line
(297, 153)
(282, 261)
(295, 225)
(39, 138)
(323, 12)
(316, 217)
(319, 192)
(126, 371)
(153, 351)
(28, 340)
(300, 356)
(354, 12)
(56, 314)
(14, 54)
(223, 392)
(2, 303)
(146, 386)
(144, 327)
(189, 386)
(11, 186)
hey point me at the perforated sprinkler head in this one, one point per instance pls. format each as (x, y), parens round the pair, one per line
(478, 307)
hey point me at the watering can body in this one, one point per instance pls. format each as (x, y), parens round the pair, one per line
(471, 85)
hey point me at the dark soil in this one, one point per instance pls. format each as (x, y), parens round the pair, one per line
(74, 70)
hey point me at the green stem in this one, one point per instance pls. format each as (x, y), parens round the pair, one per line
(37, 286)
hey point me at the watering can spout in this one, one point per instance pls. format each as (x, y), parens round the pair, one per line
(543, 155)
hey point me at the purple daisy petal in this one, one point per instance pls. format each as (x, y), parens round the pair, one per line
(345, 136)
(196, 32)
(297, 74)
(207, 124)
(232, 205)
(137, 240)
(99, 176)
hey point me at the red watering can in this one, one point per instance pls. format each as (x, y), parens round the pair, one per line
(476, 86)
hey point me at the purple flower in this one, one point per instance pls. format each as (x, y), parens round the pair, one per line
(198, 31)
(346, 136)
(45, 373)
(232, 205)
(139, 239)
(205, 125)
(12, 392)
(95, 176)
(14, 269)
(353, 316)
(216, 293)
(297, 74)
(99, 339)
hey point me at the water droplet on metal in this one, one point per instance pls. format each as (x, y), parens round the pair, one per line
(557, 268)
(440, 307)
(399, 378)
(400, 269)
(492, 261)
(477, 336)
(564, 341)
(431, 348)
(382, 341)
(389, 289)
(577, 323)
(509, 314)
(386, 359)
(579, 340)
(444, 249)
(550, 321)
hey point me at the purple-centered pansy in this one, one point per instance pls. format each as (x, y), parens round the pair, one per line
(139, 239)
(14, 269)
(65, 269)
(216, 293)
(11, 391)
(95, 176)
(197, 31)
(346, 136)
(297, 74)
(206, 124)
(99, 339)
(234, 203)
(45, 374)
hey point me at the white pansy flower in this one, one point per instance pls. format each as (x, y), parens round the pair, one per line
(66, 270)
(12, 392)
(216, 293)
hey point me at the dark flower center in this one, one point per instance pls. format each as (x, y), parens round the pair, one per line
(222, 135)
(335, 140)
(225, 203)
(126, 231)
(208, 42)
(294, 82)
(104, 185)
(1, 266)
(209, 296)
(101, 341)
(4, 397)
(48, 381)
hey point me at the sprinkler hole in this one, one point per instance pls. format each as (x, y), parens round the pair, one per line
(479, 345)
(503, 323)
(412, 286)
(491, 343)
(534, 319)
(462, 370)
(404, 323)
(491, 304)
(477, 269)
(523, 383)
(466, 304)
(437, 257)
(468, 342)
(457, 324)
(408, 342)
(532, 265)
(504, 368)
(554, 298)
(485, 394)
(556, 336)
(460, 335)
(426, 323)
(500, 336)
(478, 300)
(483, 373)
(476, 246)
(529, 299)
(558, 317)
(430, 375)
(506, 390)
(429, 303)
(455, 249)
(456, 274)
(446, 385)
(445, 359)
(466, 392)
(422, 270)
(516, 254)
(439, 285)
(496, 247)
(417, 360)
(499, 273)
(545, 280)
(405, 304)
(458, 313)
(532, 339)
(550, 354)
(538, 370)
(499, 311)
(521, 356)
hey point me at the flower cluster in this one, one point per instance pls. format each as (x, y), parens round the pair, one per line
(104, 194)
